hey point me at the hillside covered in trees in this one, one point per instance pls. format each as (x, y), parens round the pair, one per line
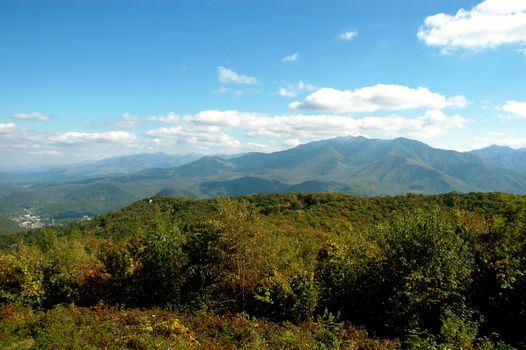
(351, 165)
(290, 271)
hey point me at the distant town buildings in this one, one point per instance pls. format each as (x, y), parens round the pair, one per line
(28, 219)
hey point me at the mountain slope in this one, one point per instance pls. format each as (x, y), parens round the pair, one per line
(354, 165)
(380, 167)
(504, 157)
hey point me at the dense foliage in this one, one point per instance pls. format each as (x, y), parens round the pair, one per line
(274, 271)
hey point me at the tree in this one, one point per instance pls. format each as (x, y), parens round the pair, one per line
(228, 255)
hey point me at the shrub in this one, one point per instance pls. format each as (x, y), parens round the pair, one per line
(228, 255)
(291, 298)
(422, 267)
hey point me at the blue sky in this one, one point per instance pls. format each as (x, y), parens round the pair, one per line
(89, 79)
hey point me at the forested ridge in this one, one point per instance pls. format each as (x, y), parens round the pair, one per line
(351, 165)
(293, 271)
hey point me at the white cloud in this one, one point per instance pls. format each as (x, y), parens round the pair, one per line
(127, 121)
(121, 137)
(229, 118)
(497, 133)
(287, 91)
(214, 131)
(292, 142)
(32, 116)
(227, 76)
(459, 101)
(291, 58)
(489, 24)
(376, 98)
(170, 118)
(199, 138)
(20, 146)
(287, 130)
(348, 35)
(516, 108)
(293, 90)
(7, 127)
(224, 91)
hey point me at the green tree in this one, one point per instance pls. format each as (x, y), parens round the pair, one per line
(422, 268)
(228, 255)
(159, 252)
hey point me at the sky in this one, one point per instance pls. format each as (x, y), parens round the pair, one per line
(88, 79)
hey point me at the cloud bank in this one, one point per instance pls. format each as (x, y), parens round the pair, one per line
(230, 127)
(216, 131)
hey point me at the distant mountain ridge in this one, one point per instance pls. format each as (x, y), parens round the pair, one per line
(103, 167)
(347, 164)
(368, 167)
(354, 165)
(504, 157)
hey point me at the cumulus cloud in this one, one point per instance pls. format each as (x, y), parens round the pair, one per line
(376, 98)
(227, 118)
(489, 24)
(293, 90)
(32, 116)
(348, 36)
(228, 76)
(516, 108)
(291, 58)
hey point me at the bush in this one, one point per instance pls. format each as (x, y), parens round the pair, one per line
(159, 278)
(228, 255)
(291, 298)
(421, 267)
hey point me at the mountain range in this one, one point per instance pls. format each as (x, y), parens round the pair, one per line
(107, 166)
(504, 157)
(354, 165)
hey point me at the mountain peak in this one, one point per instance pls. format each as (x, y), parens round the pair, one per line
(493, 151)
